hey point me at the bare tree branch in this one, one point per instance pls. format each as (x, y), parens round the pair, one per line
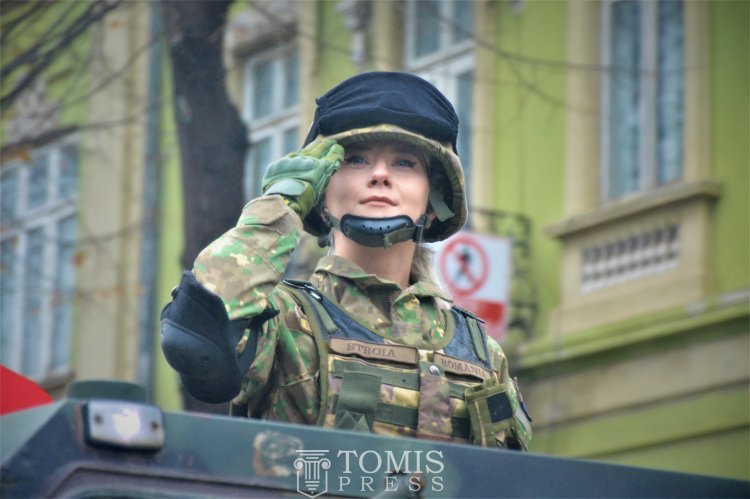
(97, 11)
(29, 16)
(56, 29)
(8, 6)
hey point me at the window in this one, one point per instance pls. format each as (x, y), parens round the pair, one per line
(37, 255)
(639, 194)
(642, 133)
(439, 48)
(271, 111)
(437, 26)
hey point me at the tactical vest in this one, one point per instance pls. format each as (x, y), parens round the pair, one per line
(371, 385)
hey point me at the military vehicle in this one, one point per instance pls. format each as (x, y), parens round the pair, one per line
(104, 440)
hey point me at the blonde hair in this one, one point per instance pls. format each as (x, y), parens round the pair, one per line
(422, 268)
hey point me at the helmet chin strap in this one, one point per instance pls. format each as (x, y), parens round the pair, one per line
(379, 232)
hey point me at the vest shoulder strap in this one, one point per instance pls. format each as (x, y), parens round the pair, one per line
(469, 341)
(308, 297)
(335, 321)
(311, 301)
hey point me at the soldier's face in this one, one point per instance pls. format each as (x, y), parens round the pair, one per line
(379, 179)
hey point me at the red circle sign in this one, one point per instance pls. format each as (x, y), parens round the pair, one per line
(464, 265)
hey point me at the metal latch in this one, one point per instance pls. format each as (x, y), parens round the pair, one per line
(124, 424)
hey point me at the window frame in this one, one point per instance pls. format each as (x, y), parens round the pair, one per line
(446, 49)
(647, 110)
(443, 68)
(589, 221)
(48, 218)
(278, 122)
(445, 75)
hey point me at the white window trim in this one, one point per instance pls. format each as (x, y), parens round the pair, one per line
(276, 124)
(447, 49)
(647, 153)
(444, 73)
(589, 219)
(47, 217)
(276, 135)
(442, 67)
(280, 113)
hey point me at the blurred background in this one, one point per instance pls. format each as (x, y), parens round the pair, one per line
(605, 140)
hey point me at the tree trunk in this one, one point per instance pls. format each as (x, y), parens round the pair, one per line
(212, 138)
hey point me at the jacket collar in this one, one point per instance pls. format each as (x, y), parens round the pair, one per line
(342, 268)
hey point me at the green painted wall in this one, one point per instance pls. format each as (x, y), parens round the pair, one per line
(614, 342)
(171, 239)
(695, 430)
(334, 49)
(704, 432)
(530, 132)
(679, 435)
(67, 83)
(67, 79)
(719, 454)
(730, 160)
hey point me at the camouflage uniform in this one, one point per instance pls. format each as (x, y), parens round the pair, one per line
(244, 267)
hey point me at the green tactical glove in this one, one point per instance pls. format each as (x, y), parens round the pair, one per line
(302, 176)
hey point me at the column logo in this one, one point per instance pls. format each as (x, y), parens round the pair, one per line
(311, 482)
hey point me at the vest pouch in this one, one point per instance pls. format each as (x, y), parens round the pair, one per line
(490, 412)
(434, 417)
(357, 401)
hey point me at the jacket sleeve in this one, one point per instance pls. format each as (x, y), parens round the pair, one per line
(520, 437)
(216, 331)
(244, 265)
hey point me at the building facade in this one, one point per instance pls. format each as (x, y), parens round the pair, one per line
(608, 138)
(73, 155)
(618, 131)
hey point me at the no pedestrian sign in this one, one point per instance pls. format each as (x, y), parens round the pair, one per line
(476, 269)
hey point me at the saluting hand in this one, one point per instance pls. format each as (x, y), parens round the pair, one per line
(302, 176)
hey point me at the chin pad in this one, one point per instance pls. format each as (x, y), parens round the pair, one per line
(380, 232)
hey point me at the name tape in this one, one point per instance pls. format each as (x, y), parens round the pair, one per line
(461, 367)
(393, 353)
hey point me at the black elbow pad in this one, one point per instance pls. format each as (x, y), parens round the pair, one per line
(196, 341)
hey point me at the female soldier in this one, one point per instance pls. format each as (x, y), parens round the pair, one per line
(371, 343)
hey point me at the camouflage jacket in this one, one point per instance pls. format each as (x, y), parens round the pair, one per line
(244, 267)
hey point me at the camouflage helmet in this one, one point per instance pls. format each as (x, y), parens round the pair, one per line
(402, 107)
